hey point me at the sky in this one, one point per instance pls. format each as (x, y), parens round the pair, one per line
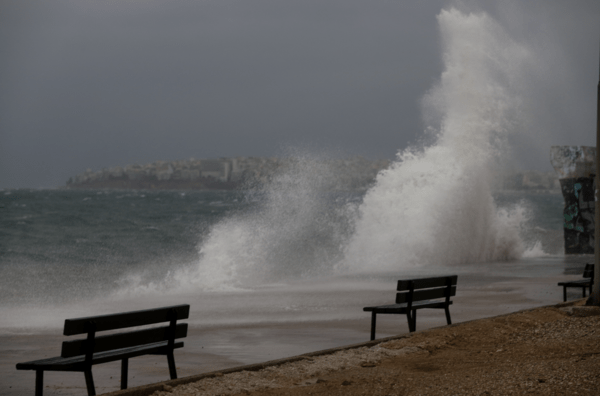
(94, 84)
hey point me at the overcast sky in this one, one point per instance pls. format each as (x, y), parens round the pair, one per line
(93, 84)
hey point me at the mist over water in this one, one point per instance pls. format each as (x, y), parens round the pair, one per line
(433, 205)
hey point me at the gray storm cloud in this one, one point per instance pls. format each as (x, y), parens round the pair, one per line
(89, 84)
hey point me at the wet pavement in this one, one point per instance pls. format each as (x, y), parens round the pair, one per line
(230, 329)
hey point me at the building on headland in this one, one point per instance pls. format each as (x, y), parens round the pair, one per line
(576, 168)
(529, 180)
(229, 173)
(220, 173)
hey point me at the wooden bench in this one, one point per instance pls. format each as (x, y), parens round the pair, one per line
(416, 294)
(587, 282)
(82, 354)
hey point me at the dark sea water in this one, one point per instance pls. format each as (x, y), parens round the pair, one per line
(71, 248)
(63, 244)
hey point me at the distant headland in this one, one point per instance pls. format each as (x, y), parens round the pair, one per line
(218, 174)
(233, 173)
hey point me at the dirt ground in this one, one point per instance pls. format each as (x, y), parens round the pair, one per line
(545, 351)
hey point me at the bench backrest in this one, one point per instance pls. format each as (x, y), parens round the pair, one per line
(588, 272)
(411, 290)
(93, 324)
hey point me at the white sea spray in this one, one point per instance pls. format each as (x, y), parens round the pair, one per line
(432, 206)
(295, 231)
(435, 205)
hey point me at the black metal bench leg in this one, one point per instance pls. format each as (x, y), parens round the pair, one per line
(410, 321)
(564, 293)
(89, 382)
(39, 382)
(124, 369)
(583, 291)
(373, 324)
(414, 318)
(448, 315)
(172, 369)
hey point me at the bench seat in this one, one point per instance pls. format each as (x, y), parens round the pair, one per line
(402, 308)
(77, 363)
(576, 283)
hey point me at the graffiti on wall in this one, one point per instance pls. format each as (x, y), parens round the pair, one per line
(575, 167)
(578, 214)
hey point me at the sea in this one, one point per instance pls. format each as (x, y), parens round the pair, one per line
(302, 246)
(65, 253)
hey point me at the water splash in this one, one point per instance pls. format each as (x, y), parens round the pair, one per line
(536, 251)
(296, 230)
(435, 205)
(432, 206)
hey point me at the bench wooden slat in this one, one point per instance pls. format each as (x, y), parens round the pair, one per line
(124, 320)
(576, 283)
(427, 294)
(402, 308)
(122, 340)
(424, 283)
(76, 363)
